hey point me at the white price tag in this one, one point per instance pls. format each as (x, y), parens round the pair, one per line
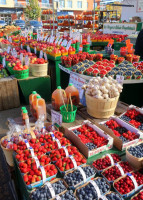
(32, 151)
(27, 143)
(64, 43)
(65, 34)
(111, 159)
(45, 39)
(56, 40)
(56, 117)
(120, 168)
(88, 39)
(8, 49)
(21, 46)
(57, 197)
(66, 151)
(43, 173)
(82, 173)
(52, 135)
(28, 49)
(59, 42)
(37, 161)
(58, 142)
(52, 32)
(41, 54)
(74, 162)
(14, 53)
(26, 60)
(52, 191)
(3, 62)
(45, 56)
(134, 180)
(10, 39)
(68, 45)
(96, 188)
(120, 79)
(35, 50)
(21, 58)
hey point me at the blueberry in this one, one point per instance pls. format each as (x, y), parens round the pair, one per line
(91, 146)
(125, 118)
(136, 151)
(113, 196)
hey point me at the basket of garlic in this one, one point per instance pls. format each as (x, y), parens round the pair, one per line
(102, 96)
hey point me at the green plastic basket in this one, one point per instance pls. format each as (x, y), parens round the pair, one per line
(21, 74)
(77, 45)
(11, 71)
(69, 116)
(73, 45)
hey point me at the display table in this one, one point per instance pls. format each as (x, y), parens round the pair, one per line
(42, 85)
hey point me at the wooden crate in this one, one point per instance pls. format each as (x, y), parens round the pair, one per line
(9, 94)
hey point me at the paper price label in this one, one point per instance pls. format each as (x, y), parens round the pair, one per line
(74, 162)
(58, 142)
(32, 151)
(65, 34)
(66, 151)
(111, 159)
(45, 39)
(56, 117)
(134, 180)
(28, 49)
(8, 49)
(59, 42)
(120, 168)
(68, 45)
(3, 62)
(82, 173)
(21, 58)
(56, 40)
(120, 79)
(26, 60)
(41, 54)
(45, 56)
(37, 161)
(57, 197)
(21, 46)
(52, 135)
(35, 50)
(96, 188)
(43, 173)
(52, 191)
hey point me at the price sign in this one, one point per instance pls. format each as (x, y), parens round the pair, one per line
(88, 39)
(43, 173)
(56, 41)
(8, 49)
(41, 54)
(78, 82)
(64, 43)
(26, 60)
(45, 38)
(45, 56)
(56, 117)
(21, 58)
(120, 79)
(59, 42)
(52, 32)
(65, 34)
(3, 61)
(35, 50)
(21, 46)
(68, 45)
(28, 49)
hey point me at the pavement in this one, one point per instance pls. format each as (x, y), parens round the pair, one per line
(4, 115)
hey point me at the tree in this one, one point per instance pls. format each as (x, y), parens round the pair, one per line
(33, 10)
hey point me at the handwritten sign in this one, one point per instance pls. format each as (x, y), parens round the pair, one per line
(120, 79)
(56, 117)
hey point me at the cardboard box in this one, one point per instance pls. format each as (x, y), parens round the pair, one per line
(82, 147)
(117, 142)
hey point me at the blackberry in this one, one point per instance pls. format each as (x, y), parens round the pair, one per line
(139, 118)
(121, 130)
(124, 140)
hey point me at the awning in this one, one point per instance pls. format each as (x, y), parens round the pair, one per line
(10, 10)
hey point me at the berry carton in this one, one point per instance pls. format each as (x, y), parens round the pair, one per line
(82, 171)
(125, 139)
(134, 155)
(134, 117)
(138, 196)
(114, 195)
(129, 184)
(97, 141)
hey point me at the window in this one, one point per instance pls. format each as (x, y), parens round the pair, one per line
(3, 2)
(62, 3)
(94, 5)
(87, 5)
(69, 3)
(45, 1)
(79, 4)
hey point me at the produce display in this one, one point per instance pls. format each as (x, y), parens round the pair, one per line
(136, 151)
(113, 196)
(3, 72)
(139, 196)
(106, 37)
(103, 88)
(133, 117)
